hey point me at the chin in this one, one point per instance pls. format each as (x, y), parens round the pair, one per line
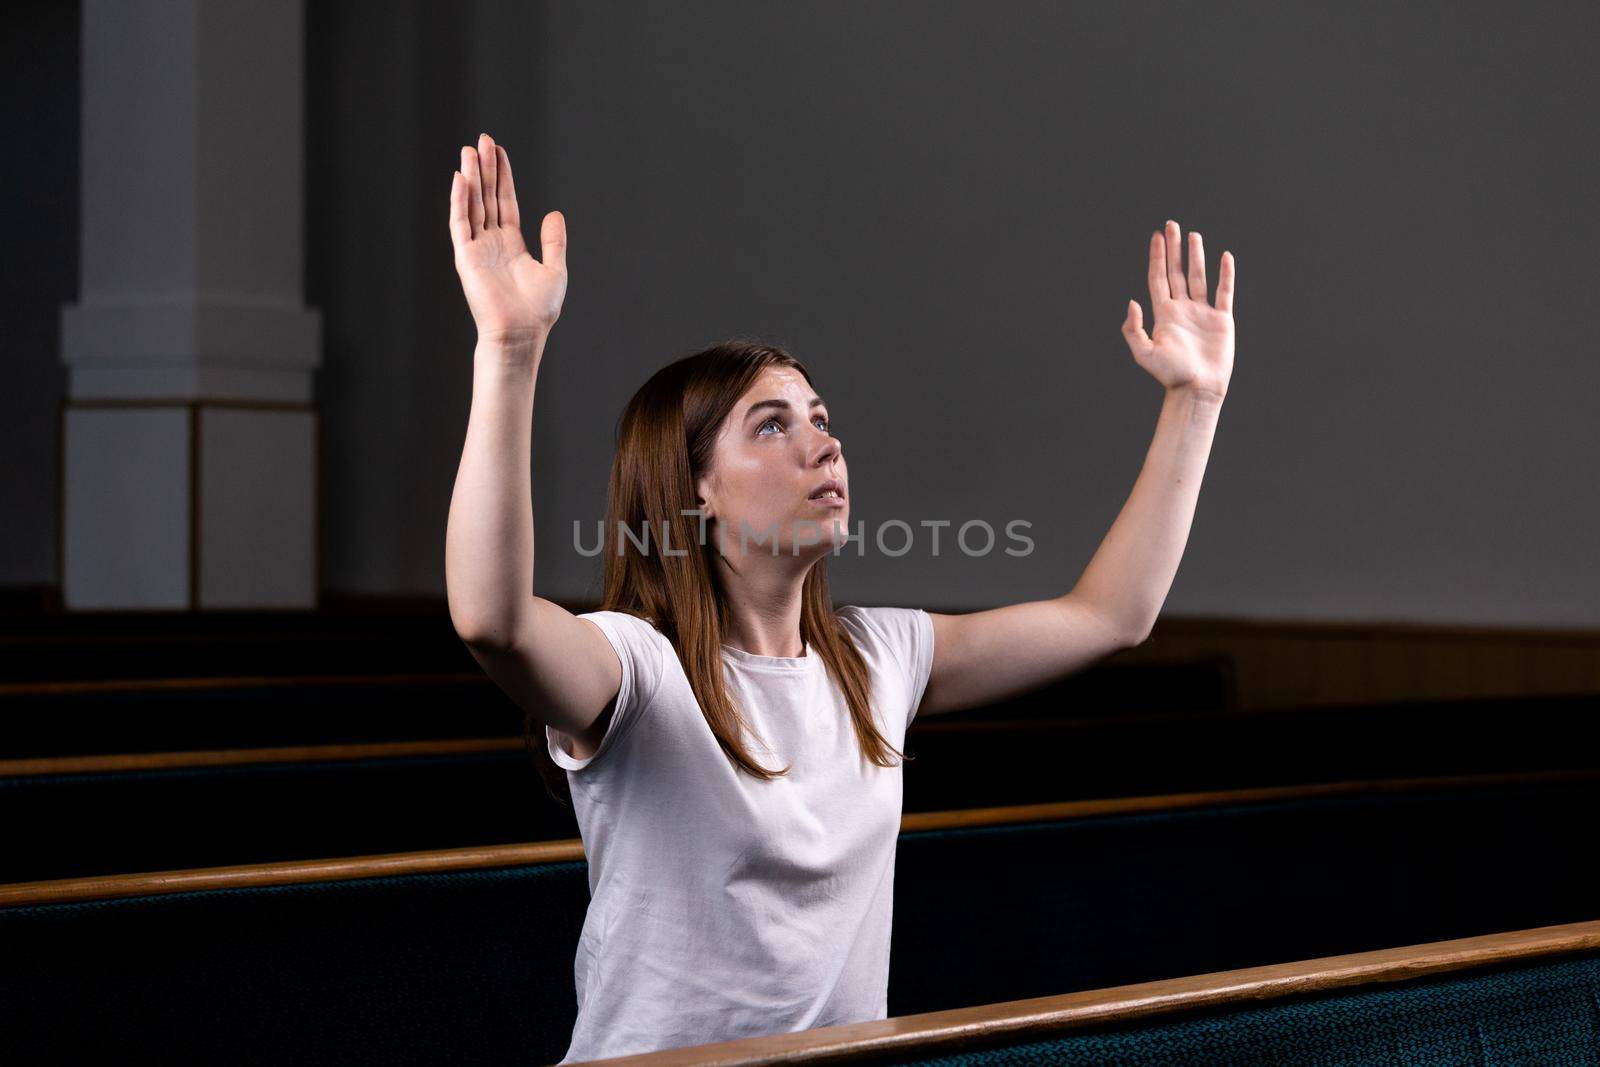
(830, 532)
(836, 531)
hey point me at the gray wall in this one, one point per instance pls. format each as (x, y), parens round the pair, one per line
(943, 208)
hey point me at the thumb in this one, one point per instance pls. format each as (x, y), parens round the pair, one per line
(553, 241)
(1133, 329)
(460, 225)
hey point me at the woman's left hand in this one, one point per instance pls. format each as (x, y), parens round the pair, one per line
(1191, 345)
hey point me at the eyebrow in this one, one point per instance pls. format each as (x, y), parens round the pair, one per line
(777, 405)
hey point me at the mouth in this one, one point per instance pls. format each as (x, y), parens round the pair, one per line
(829, 492)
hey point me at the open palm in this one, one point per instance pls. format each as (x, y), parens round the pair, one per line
(1191, 344)
(513, 297)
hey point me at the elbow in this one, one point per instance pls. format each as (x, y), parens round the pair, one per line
(473, 637)
(479, 625)
(1135, 638)
(476, 634)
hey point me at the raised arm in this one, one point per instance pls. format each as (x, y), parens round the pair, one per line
(989, 656)
(559, 668)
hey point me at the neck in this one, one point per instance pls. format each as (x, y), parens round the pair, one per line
(764, 600)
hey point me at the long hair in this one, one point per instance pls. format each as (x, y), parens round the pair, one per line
(665, 442)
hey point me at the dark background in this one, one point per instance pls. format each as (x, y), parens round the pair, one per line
(943, 208)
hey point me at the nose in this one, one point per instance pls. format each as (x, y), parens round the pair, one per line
(827, 450)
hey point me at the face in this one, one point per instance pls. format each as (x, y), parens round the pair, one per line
(773, 452)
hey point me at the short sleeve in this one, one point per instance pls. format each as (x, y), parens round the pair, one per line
(640, 648)
(907, 633)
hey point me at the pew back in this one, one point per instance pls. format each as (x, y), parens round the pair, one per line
(477, 963)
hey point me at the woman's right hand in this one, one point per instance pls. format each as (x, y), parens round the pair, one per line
(514, 298)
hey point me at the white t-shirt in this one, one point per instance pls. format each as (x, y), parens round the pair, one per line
(722, 906)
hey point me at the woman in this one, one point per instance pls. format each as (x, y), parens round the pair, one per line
(730, 738)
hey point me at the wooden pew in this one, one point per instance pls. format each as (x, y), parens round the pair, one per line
(154, 811)
(468, 952)
(1522, 996)
(102, 645)
(113, 812)
(419, 640)
(1003, 761)
(121, 717)
(267, 708)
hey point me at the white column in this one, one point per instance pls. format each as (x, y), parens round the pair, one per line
(189, 432)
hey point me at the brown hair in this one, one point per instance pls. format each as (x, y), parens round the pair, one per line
(665, 439)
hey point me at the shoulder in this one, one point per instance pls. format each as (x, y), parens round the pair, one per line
(642, 652)
(635, 626)
(901, 629)
(626, 628)
(641, 647)
(895, 642)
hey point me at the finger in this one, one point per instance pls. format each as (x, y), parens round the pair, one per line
(1197, 267)
(1225, 283)
(469, 169)
(1175, 279)
(1159, 290)
(460, 228)
(1133, 329)
(489, 161)
(507, 190)
(553, 239)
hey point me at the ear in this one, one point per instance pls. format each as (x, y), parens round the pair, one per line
(703, 496)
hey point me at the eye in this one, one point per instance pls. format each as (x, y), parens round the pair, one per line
(826, 427)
